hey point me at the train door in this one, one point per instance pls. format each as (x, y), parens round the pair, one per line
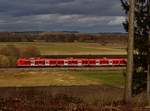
(97, 62)
(32, 62)
(110, 62)
(79, 62)
(65, 62)
(47, 62)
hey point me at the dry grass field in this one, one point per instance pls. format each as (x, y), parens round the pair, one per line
(71, 48)
(23, 78)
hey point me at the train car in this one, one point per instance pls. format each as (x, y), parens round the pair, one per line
(70, 62)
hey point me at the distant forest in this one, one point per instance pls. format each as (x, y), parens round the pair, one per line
(62, 37)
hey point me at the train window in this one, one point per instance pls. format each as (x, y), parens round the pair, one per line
(124, 62)
(69, 62)
(121, 62)
(36, 62)
(21, 62)
(85, 62)
(74, 62)
(104, 62)
(52, 62)
(41, 62)
(60, 62)
(27, 62)
(115, 62)
(92, 62)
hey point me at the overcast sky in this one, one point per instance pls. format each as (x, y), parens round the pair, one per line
(61, 15)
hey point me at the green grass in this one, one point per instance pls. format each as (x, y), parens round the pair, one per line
(70, 48)
(61, 78)
(113, 78)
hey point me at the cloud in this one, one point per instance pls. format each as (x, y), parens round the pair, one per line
(33, 7)
(68, 20)
(82, 15)
(117, 20)
(49, 21)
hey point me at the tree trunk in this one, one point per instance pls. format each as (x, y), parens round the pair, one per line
(148, 73)
(128, 84)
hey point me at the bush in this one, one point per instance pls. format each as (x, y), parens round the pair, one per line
(10, 50)
(4, 61)
(9, 54)
(12, 61)
(30, 51)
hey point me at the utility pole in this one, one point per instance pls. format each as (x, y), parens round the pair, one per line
(128, 84)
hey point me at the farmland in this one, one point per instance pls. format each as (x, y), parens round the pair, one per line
(71, 48)
(65, 78)
(60, 89)
(23, 78)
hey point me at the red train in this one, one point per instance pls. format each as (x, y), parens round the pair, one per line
(68, 62)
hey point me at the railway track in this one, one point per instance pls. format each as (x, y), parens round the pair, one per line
(63, 68)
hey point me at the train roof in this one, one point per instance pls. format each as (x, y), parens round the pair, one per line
(71, 58)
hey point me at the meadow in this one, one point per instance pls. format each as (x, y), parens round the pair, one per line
(23, 78)
(71, 48)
